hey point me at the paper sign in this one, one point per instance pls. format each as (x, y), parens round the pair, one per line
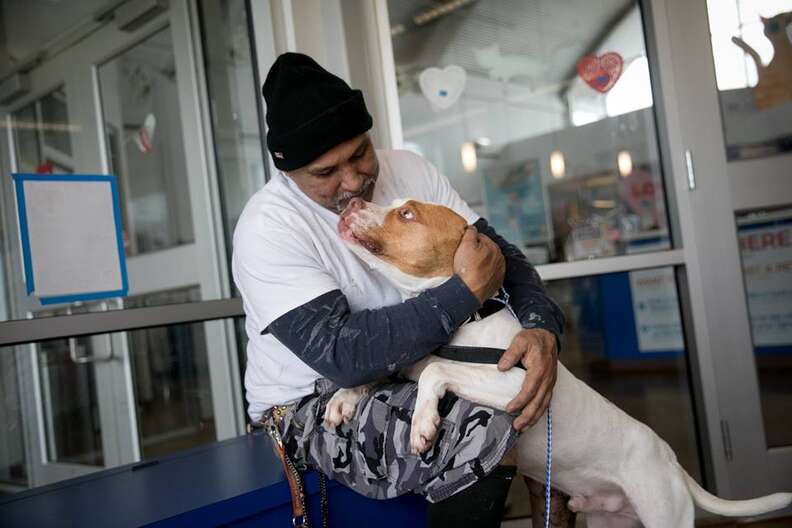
(766, 251)
(656, 308)
(70, 230)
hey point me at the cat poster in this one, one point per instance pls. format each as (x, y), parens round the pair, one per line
(775, 78)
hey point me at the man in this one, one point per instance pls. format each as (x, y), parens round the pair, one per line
(318, 318)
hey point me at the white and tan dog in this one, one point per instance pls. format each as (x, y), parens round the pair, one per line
(616, 469)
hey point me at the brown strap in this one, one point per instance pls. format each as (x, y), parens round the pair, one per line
(294, 486)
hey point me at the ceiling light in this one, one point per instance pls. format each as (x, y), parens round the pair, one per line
(468, 152)
(557, 165)
(624, 162)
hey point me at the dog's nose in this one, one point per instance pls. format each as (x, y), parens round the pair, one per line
(356, 204)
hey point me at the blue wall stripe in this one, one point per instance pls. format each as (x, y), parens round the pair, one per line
(19, 180)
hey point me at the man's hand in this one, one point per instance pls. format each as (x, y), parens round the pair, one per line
(536, 349)
(480, 264)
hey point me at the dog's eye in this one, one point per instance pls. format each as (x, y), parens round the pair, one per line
(407, 214)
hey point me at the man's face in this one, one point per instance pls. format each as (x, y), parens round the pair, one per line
(344, 172)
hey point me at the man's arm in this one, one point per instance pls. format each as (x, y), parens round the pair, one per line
(355, 348)
(527, 296)
(536, 347)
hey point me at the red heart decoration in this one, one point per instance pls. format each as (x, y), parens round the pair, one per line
(602, 72)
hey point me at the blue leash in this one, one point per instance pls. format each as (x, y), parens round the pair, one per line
(503, 297)
(548, 466)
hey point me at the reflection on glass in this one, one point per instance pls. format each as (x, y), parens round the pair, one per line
(53, 110)
(233, 94)
(241, 169)
(752, 51)
(143, 131)
(13, 469)
(766, 252)
(70, 405)
(564, 159)
(624, 338)
(171, 376)
(43, 135)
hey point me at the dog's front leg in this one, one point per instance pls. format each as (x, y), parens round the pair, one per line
(343, 403)
(478, 383)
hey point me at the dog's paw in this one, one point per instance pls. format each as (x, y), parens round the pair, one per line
(423, 429)
(340, 409)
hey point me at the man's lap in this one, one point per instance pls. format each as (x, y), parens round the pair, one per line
(371, 454)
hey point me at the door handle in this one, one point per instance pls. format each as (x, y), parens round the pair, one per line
(81, 360)
(691, 174)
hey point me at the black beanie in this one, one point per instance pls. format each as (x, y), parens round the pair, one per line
(309, 111)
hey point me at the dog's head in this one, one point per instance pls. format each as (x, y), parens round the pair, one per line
(418, 239)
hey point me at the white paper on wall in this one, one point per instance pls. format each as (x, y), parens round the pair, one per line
(767, 264)
(656, 309)
(72, 238)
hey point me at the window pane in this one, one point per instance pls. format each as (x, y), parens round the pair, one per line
(70, 405)
(171, 383)
(69, 400)
(624, 338)
(766, 251)
(754, 74)
(173, 392)
(143, 130)
(43, 135)
(233, 94)
(54, 112)
(546, 129)
(13, 468)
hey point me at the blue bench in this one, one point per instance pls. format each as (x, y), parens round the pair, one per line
(236, 482)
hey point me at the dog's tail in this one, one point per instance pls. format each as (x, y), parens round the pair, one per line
(735, 508)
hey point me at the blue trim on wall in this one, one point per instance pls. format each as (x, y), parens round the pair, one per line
(23, 230)
(19, 180)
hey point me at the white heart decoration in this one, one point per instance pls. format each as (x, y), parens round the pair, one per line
(442, 87)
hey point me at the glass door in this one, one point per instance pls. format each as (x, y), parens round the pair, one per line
(728, 76)
(72, 420)
(76, 402)
(601, 153)
(126, 103)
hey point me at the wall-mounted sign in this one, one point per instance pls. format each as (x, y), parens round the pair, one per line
(70, 231)
(656, 308)
(766, 250)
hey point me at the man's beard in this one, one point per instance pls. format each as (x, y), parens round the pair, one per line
(342, 200)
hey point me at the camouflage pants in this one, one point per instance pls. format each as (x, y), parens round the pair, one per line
(371, 454)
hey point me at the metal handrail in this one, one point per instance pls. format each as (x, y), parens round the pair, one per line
(70, 326)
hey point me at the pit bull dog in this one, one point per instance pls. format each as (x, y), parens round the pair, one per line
(615, 469)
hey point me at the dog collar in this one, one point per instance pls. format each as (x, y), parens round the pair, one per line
(491, 306)
(472, 354)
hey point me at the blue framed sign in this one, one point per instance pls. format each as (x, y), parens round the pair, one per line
(71, 237)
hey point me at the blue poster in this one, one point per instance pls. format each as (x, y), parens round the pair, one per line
(515, 203)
